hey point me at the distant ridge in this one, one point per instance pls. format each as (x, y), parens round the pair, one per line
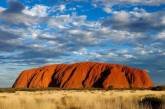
(84, 75)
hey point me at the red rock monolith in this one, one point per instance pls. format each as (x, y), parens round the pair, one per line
(84, 75)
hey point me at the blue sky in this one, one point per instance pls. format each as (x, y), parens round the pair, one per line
(38, 32)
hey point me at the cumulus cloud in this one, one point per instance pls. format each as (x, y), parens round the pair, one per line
(42, 34)
(66, 21)
(62, 7)
(163, 20)
(161, 35)
(37, 10)
(72, 32)
(16, 14)
(146, 2)
(136, 21)
(122, 16)
(2, 9)
(107, 9)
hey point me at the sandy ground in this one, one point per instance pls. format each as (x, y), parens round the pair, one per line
(79, 99)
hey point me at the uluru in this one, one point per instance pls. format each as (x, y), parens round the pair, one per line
(84, 75)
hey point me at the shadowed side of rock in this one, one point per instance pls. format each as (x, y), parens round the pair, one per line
(84, 75)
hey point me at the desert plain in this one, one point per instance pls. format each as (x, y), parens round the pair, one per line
(83, 99)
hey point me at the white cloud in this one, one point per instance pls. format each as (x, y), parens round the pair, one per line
(121, 16)
(163, 20)
(81, 51)
(37, 10)
(161, 35)
(65, 21)
(137, 20)
(146, 2)
(92, 32)
(34, 34)
(62, 7)
(145, 50)
(107, 9)
(18, 18)
(59, 21)
(118, 35)
(83, 36)
(36, 46)
(129, 56)
(2, 9)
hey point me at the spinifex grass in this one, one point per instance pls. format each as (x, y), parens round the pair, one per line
(83, 99)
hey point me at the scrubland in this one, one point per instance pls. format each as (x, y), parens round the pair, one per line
(83, 99)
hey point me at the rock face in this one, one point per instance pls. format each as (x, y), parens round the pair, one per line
(84, 75)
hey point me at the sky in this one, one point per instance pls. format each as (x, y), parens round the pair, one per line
(34, 33)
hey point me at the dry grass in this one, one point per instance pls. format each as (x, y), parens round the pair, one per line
(77, 99)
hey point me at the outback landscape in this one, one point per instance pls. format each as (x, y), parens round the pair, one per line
(82, 86)
(82, 54)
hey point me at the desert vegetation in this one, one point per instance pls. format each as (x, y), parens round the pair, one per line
(158, 88)
(83, 99)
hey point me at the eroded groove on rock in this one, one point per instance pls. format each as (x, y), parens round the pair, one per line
(104, 74)
(71, 74)
(87, 75)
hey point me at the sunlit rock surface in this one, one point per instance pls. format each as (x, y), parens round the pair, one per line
(84, 75)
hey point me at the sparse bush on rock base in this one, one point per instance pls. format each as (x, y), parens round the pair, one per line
(83, 99)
